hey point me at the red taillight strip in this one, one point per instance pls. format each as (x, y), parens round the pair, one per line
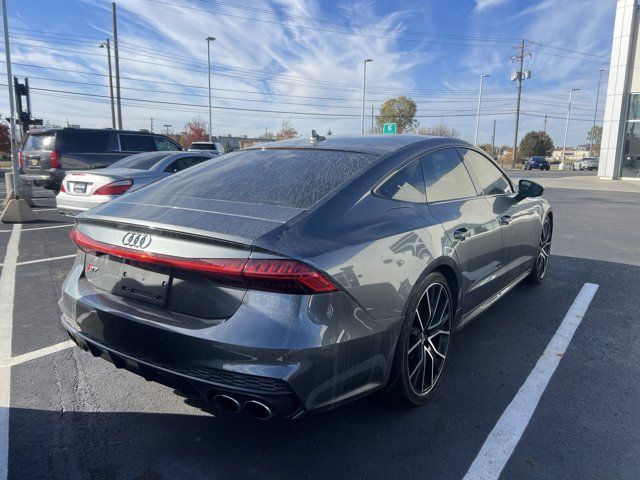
(277, 275)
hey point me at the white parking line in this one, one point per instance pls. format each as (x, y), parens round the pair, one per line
(41, 260)
(43, 209)
(7, 291)
(506, 434)
(26, 357)
(66, 225)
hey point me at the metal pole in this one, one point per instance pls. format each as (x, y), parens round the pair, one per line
(113, 109)
(167, 127)
(12, 107)
(595, 111)
(364, 82)
(545, 123)
(493, 140)
(117, 59)
(482, 77)
(566, 128)
(372, 119)
(209, 40)
(515, 137)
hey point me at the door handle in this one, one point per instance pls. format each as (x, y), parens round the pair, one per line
(461, 234)
(505, 219)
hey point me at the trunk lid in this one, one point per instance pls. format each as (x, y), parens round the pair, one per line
(85, 183)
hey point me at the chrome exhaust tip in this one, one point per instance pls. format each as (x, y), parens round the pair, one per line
(226, 403)
(258, 410)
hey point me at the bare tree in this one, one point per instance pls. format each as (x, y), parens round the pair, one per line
(287, 131)
(439, 131)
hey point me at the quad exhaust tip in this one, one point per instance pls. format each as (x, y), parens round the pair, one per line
(226, 403)
(258, 410)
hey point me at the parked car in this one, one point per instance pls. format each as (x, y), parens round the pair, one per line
(210, 147)
(46, 155)
(587, 163)
(537, 163)
(295, 276)
(83, 190)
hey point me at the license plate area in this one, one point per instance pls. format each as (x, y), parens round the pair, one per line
(78, 187)
(144, 282)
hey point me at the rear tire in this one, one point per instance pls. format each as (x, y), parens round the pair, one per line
(424, 342)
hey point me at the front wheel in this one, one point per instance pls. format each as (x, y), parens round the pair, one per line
(424, 342)
(541, 262)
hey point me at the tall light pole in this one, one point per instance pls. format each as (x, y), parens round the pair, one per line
(209, 40)
(113, 110)
(566, 128)
(364, 83)
(167, 125)
(12, 108)
(482, 77)
(117, 61)
(595, 111)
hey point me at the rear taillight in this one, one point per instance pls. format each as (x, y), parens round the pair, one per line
(54, 159)
(62, 187)
(114, 188)
(20, 159)
(274, 275)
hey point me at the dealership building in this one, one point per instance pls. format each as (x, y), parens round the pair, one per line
(620, 148)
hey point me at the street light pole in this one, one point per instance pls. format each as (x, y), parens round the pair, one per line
(482, 77)
(209, 40)
(566, 128)
(113, 110)
(117, 61)
(12, 108)
(595, 111)
(364, 83)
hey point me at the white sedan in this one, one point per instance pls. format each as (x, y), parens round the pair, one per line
(85, 189)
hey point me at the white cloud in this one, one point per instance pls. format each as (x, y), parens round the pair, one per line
(486, 4)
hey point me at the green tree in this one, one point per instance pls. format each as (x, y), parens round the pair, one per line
(399, 110)
(439, 131)
(535, 143)
(594, 135)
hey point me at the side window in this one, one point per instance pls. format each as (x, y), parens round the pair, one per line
(164, 144)
(445, 176)
(488, 177)
(184, 162)
(137, 143)
(82, 141)
(406, 185)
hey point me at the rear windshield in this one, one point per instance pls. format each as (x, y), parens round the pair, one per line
(39, 142)
(203, 146)
(290, 178)
(141, 161)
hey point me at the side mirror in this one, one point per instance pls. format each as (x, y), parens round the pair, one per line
(528, 189)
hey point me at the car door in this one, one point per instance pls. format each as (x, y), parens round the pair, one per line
(472, 231)
(519, 220)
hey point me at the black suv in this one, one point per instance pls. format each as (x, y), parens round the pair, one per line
(46, 154)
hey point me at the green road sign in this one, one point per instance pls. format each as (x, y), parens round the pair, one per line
(389, 128)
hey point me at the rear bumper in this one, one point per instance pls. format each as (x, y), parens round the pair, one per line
(277, 350)
(72, 205)
(49, 179)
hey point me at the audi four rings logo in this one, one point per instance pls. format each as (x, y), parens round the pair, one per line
(136, 240)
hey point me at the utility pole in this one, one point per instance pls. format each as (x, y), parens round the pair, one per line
(107, 46)
(595, 111)
(151, 129)
(117, 59)
(545, 122)
(372, 119)
(209, 40)
(493, 140)
(519, 75)
(364, 83)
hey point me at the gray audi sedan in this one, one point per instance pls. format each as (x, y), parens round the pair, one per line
(296, 276)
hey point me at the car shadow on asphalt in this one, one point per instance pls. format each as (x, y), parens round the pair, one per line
(367, 438)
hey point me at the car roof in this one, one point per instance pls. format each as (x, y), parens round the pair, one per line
(375, 144)
(45, 131)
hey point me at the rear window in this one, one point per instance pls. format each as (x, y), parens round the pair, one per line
(141, 161)
(203, 146)
(39, 142)
(84, 141)
(289, 178)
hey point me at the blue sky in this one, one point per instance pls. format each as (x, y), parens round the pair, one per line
(301, 60)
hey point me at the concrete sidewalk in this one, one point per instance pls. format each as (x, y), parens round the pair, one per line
(582, 182)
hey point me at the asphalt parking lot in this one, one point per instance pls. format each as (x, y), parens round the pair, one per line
(74, 416)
